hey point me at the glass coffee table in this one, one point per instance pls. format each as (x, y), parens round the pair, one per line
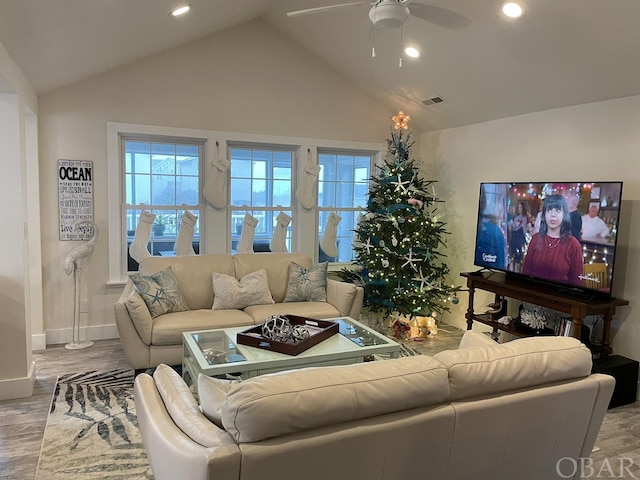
(216, 352)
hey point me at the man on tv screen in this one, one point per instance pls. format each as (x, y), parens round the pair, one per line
(592, 225)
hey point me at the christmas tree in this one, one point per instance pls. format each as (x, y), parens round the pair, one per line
(398, 240)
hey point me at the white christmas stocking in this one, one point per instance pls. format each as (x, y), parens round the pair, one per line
(306, 189)
(215, 191)
(328, 242)
(138, 248)
(184, 242)
(245, 245)
(279, 240)
(356, 238)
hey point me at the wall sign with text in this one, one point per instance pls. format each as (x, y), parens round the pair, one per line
(75, 198)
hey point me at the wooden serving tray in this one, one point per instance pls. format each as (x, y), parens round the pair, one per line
(319, 330)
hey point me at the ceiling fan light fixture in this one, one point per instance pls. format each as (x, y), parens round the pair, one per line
(389, 14)
(181, 10)
(412, 52)
(513, 9)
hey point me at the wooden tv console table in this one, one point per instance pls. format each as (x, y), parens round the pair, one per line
(550, 297)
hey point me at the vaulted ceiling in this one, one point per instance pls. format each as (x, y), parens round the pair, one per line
(483, 65)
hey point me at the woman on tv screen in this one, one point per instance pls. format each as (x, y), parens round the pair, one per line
(554, 253)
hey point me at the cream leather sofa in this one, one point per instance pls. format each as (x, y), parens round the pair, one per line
(527, 409)
(150, 341)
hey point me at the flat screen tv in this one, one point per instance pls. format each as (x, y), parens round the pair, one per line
(559, 233)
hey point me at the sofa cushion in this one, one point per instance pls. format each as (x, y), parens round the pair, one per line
(281, 403)
(184, 410)
(140, 316)
(260, 313)
(193, 273)
(307, 284)
(160, 291)
(212, 393)
(229, 292)
(276, 265)
(519, 364)
(475, 339)
(167, 329)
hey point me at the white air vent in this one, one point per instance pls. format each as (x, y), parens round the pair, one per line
(433, 101)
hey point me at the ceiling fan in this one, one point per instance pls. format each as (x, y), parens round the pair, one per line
(393, 13)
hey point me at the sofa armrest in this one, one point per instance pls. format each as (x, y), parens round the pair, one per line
(135, 348)
(601, 404)
(171, 453)
(346, 297)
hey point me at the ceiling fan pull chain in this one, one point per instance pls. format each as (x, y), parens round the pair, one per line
(373, 47)
(401, 42)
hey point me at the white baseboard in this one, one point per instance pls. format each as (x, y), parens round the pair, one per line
(65, 335)
(38, 341)
(18, 387)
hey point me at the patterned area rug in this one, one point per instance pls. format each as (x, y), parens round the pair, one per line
(92, 430)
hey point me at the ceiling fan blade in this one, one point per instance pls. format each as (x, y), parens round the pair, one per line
(310, 11)
(438, 15)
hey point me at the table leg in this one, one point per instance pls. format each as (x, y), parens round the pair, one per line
(469, 314)
(577, 327)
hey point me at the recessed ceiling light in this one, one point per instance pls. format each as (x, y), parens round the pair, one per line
(512, 10)
(412, 52)
(180, 10)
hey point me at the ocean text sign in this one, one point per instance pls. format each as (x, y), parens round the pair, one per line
(75, 198)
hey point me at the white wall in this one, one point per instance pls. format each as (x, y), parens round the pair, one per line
(597, 141)
(19, 245)
(248, 79)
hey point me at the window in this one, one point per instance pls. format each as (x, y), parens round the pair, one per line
(161, 176)
(261, 185)
(343, 188)
(164, 169)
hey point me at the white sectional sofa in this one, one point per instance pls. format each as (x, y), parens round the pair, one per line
(150, 341)
(527, 410)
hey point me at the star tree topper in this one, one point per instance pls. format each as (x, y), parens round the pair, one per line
(401, 121)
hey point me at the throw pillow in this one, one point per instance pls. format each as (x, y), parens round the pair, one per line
(160, 292)
(307, 284)
(231, 293)
(212, 393)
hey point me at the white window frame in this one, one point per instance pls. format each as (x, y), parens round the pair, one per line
(215, 234)
(160, 209)
(338, 208)
(249, 207)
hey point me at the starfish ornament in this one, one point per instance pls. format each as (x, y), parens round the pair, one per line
(410, 260)
(422, 279)
(400, 185)
(368, 246)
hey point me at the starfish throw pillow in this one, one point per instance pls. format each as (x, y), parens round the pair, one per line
(160, 292)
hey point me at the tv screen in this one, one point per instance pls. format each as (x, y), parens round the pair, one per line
(559, 232)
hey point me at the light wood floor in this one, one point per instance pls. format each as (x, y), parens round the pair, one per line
(22, 421)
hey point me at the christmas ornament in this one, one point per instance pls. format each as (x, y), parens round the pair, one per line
(401, 121)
